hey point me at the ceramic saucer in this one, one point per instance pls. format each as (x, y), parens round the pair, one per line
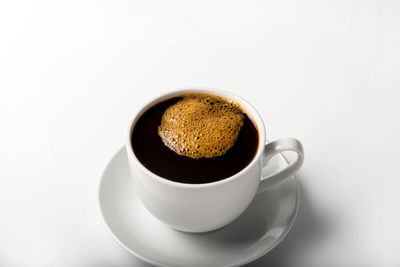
(259, 229)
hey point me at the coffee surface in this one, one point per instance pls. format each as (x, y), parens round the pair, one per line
(201, 126)
(151, 151)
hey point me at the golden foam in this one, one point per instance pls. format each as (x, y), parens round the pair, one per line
(201, 126)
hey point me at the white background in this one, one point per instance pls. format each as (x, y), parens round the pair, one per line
(325, 72)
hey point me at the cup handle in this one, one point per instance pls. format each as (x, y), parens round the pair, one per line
(278, 146)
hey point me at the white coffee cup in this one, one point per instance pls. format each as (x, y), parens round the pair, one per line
(206, 207)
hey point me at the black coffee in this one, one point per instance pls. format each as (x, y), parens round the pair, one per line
(161, 160)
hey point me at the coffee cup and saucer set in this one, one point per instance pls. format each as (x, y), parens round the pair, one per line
(228, 222)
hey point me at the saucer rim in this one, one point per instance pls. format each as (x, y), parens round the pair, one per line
(160, 264)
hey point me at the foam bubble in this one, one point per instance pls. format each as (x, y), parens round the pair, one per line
(201, 126)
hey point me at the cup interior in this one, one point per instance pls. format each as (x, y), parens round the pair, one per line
(244, 105)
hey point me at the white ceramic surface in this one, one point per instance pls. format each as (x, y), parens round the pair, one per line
(205, 207)
(259, 229)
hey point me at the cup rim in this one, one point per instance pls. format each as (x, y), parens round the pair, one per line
(251, 111)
